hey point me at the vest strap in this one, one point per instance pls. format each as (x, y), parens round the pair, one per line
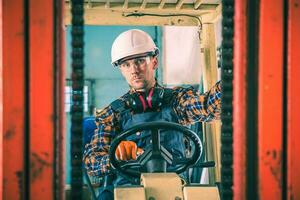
(119, 105)
(168, 96)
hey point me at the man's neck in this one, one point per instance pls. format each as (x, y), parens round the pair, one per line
(146, 89)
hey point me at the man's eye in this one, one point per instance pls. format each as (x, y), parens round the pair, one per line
(140, 61)
(125, 65)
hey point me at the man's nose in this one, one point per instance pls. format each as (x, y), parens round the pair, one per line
(134, 67)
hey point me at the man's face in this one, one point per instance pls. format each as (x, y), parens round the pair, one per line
(139, 72)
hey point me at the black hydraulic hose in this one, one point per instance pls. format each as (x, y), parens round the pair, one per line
(227, 88)
(77, 98)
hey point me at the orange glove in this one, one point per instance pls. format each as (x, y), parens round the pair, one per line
(127, 150)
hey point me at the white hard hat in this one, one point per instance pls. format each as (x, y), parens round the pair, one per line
(132, 42)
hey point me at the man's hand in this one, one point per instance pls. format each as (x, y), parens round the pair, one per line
(127, 150)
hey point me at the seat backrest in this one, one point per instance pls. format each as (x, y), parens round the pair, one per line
(89, 127)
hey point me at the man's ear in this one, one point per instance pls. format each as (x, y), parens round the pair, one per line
(155, 62)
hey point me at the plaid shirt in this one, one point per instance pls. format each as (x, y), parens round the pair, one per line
(189, 105)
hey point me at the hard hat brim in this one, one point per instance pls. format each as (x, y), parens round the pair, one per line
(151, 53)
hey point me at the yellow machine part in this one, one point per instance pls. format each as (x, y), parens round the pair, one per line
(161, 186)
(203, 192)
(129, 192)
(165, 186)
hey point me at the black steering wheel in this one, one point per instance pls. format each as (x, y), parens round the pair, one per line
(155, 158)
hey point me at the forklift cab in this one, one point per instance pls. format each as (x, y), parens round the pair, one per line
(155, 180)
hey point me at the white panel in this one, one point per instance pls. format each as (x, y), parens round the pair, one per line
(181, 51)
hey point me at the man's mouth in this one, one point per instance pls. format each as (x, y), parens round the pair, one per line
(136, 78)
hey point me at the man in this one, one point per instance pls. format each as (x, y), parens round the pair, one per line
(135, 54)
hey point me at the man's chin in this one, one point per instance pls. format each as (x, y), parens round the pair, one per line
(138, 87)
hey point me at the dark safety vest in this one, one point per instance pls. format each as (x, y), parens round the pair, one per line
(170, 139)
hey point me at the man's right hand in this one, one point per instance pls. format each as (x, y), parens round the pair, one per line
(128, 150)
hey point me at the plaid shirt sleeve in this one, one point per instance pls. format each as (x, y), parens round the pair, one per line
(192, 107)
(95, 155)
